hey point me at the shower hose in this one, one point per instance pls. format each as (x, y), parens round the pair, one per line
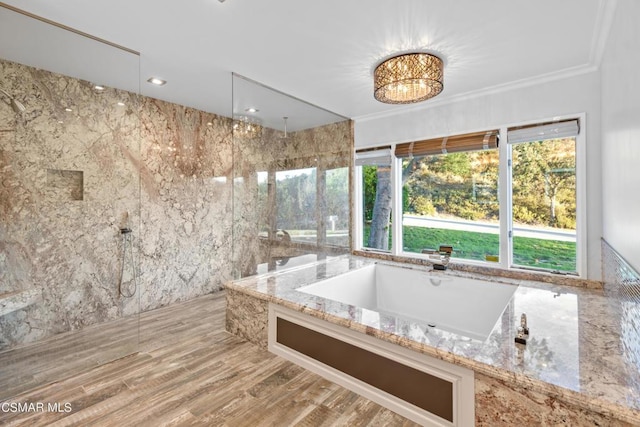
(127, 247)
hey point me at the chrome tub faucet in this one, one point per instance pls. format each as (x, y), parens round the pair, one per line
(440, 257)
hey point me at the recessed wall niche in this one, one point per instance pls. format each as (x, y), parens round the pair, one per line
(65, 185)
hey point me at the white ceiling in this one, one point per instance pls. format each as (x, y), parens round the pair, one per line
(321, 51)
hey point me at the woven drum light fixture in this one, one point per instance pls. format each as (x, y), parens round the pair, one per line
(408, 78)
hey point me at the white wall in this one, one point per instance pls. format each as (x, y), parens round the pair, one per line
(621, 133)
(570, 95)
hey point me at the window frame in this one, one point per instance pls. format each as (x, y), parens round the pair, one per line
(504, 198)
(358, 208)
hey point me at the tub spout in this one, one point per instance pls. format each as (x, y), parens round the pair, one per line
(441, 257)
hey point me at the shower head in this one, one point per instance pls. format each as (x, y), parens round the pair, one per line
(285, 136)
(16, 105)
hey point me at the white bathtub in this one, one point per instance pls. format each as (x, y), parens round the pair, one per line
(463, 306)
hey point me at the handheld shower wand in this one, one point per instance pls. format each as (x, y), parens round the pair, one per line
(127, 249)
(15, 104)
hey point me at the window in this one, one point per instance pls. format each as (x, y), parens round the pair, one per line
(543, 211)
(373, 207)
(450, 195)
(512, 205)
(452, 199)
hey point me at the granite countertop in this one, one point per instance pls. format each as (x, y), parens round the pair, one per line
(579, 350)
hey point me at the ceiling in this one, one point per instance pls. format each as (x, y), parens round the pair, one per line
(322, 52)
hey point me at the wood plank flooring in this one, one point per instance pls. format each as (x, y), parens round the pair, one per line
(28, 366)
(190, 372)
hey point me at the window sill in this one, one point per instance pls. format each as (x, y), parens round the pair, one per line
(487, 270)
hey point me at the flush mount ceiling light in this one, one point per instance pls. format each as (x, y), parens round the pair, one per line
(156, 81)
(408, 78)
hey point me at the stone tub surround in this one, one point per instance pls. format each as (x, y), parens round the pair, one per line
(574, 358)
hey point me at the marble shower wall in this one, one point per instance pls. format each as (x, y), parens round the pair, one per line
(257, 242)
(186, 202)
(71, 179)
(69, 173)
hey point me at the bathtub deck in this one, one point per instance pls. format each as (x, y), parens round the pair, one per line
(189, 371)
(573, 330)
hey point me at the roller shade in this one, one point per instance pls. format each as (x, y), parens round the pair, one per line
(484, 140)
(542, 131)
(380, 156)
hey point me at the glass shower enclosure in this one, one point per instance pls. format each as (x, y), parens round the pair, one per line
(291, 180)
(69, 202)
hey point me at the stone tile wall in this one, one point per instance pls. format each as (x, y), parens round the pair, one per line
(622, 284)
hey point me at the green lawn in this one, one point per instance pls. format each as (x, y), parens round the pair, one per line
(538, 253)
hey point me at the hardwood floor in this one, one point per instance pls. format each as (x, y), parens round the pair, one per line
(190, 372)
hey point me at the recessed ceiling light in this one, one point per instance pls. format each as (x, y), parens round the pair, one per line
(251, 110)
(209, 124)
(99, 87)
(121, 104)
(68, 109)
(157, 81)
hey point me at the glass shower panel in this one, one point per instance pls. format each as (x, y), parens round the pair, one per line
(291, 175)
(295, 199)
(69, 203)
(337, 207)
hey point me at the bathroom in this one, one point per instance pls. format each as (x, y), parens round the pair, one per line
(78, 168)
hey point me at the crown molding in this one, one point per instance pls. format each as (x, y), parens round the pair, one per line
(602, 28)
(604, 21)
